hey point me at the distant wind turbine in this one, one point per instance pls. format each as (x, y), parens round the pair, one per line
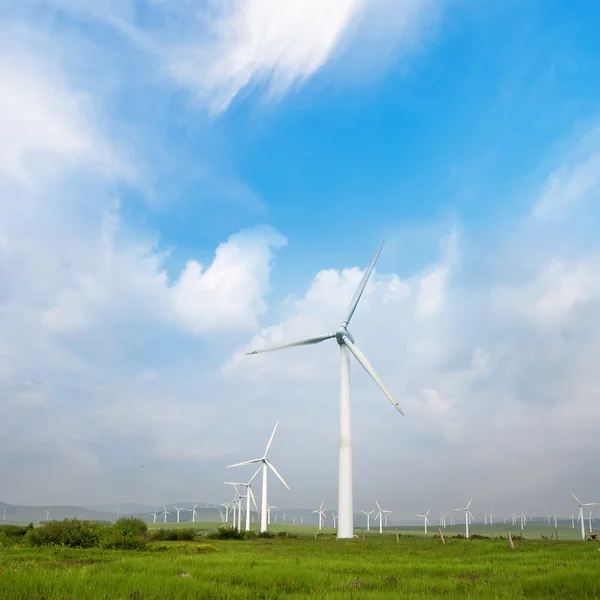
(425, 519)
(194, 513)
(591, 521)
(265, 463)
(48, 515)
(346, 343)
(154, 515)
(164, 514)
(581, 505)
(572, 520)
(321, 512)
(468, 515)
(555, 520)
(368, 518)
(5, 509)
(178, 511)
(381, 515)
(249, 496)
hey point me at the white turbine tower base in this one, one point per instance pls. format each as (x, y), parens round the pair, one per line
(346, 343)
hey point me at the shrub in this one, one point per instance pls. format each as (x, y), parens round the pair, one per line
(117, 540)
(187, 534)
(72, 533)
(205, 548)
(226, 533)
(164, 535)
(477, 536)
(266, 534)
(128, 533)
(15, 531)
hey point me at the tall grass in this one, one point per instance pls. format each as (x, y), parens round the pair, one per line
(296, 568)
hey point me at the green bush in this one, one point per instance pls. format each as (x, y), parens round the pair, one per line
(70, 532)
(128, 533)
(226, 533)
(266, 534)
(164, 535)
(15, 531)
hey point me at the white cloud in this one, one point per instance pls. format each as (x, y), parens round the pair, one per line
(279, 44)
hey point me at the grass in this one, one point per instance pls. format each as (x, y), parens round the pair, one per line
(379, 567)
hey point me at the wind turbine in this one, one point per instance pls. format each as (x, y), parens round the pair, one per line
(226, 505)
(581, 505)
(154, 515)
(178, 511)
(293, 520)
(523, 518)
(334, 517)
(425, 519)
(321, 514)
(513, 516)
(382, 514)
(48, 515)
(194, 513)
(368, 518)
(443, 519)
(555, 521)
(572, 520)
(468, 516)
(249, 496)
(591, 520)
(492, 515)
(164, 514)
(269, 507)
(346, 343)
(265, 463)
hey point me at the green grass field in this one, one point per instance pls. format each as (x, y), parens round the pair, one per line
(378, 567)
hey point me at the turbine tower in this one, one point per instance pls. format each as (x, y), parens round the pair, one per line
(346, 343)
(468, 516)
(249, 496)
(265, 463)
(154, 514)
(581, 505)
(425, 519)
(555, 520)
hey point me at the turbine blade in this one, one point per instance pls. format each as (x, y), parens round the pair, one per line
(306, 342)
(469, 503)
(255, 474)
(252, 498)
(271, 438)
(361, 286)
(591, 504)
(576, 498)
(362, 359)
(379, 507)
(246, 462)
(278, 475)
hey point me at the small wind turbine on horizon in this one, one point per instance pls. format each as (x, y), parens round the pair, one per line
(572, 520)
(164, 514)
(555, 520)
(346, 343)
(154, 514)
(194, 513)
(381, 515)
(368, 518)
(321, 512)
(581, 506)
(5, 509)
(523, 518)
(48, 515)
(249, 496)
(425, 519)
(591, 521)
(468, 515)
(178, 511)
(265, 463)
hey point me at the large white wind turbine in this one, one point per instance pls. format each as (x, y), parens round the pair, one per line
(368, 518)
(468, 516)
(425, 519)
(381, 515)
(346, 343)
(265, 463)
(581, 505)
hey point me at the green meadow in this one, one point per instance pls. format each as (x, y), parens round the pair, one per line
(297, 566)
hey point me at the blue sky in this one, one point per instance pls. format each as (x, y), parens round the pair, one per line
(181, 181)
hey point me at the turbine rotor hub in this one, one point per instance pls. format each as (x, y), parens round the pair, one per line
(341, 333)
